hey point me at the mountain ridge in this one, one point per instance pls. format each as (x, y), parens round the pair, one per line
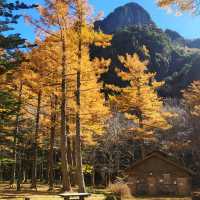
(173, 58)
(177, 38)
(127, 15)
(133, 14)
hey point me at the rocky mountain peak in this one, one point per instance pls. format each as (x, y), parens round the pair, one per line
(131, 14)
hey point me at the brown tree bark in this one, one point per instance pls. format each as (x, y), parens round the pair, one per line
(63, 136)
(79, 167)
(52, 139)
(93, 170)
(70, 160)
(80, 176)
(35, 144)
(16, 168)
(142, 144)
(74, 152)
(69, 152)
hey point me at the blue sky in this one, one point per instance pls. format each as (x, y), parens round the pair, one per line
(186, 24)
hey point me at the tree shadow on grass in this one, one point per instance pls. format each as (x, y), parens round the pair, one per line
(7, 192)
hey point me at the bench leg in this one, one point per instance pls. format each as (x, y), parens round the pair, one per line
(81, 198)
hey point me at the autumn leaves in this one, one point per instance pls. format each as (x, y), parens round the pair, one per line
(59, 93)
(60, 68)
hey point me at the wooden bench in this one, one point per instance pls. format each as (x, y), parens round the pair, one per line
(196, 196)
(74, 196)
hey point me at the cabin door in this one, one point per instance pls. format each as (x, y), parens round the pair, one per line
(152, 188)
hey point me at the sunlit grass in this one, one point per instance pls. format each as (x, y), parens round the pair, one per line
(7, 193)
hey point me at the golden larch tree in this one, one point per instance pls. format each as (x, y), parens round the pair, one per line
(192, 98)
(180, 5)
(140, 101)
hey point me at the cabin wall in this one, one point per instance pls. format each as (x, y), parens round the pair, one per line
(158, 177)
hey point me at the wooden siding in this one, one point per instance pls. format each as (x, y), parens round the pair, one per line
(156, 175)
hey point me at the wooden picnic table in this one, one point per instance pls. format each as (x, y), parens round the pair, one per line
(74, 195)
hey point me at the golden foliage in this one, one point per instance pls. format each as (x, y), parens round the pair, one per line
(182, 5)
(139, 100)
(192, 98)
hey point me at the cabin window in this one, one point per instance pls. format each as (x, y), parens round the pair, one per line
(175, 182)
(138, 181)
(161, 180)
(167, 178)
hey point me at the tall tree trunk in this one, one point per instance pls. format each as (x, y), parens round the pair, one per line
(70, 159)
(142, 144)
(69, 152)
(74, 175)
(93, 170)
(140, 117)
(42, 167)
(63, 136)
(52, 138)
(80, 176)
(79, 167)
(110, 169)
(74, 152)
(23, 163)
(19, 169)
(16, 167)
(35, 144)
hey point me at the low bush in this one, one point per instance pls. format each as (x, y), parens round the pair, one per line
(111, 197)
(121, 190)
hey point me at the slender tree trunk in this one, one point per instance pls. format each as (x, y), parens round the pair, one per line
(69, 152)
(118, 162)
(110, 167)
(140, 116)
(93, 170)
(16, 151)
(23, 163)
(24, 175)
(74, 152)
(70, 160)
(35, 144)
(42, 167)
(80, 176)
(19, 169)
(79, 167)
(74, 174)
(142, 146)
(26, 165)
(52, 138)
(63, 135)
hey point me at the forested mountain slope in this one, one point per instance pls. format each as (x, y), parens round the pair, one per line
(170, 55)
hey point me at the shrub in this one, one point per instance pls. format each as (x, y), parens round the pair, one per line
(111, 197)
(121, 190)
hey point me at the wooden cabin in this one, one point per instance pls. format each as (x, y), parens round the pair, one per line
(159, 175)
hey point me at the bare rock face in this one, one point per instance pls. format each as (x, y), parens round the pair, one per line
(131, 14)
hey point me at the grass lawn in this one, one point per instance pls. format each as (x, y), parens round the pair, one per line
(42, 193)
(7, 193)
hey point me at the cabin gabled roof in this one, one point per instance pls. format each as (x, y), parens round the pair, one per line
(162, 156)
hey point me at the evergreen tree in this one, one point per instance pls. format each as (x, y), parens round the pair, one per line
(9, 43)
(10, 58)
